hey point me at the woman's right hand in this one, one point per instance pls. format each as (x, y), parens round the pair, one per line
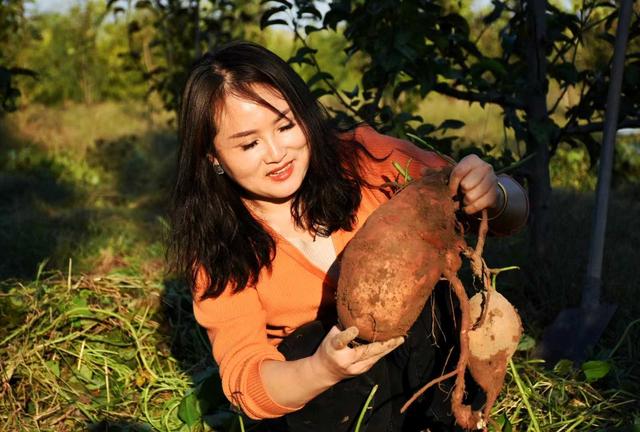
(335, 360)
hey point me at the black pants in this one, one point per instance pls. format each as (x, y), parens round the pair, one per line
(398, 375)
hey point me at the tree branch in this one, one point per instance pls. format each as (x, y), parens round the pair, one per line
(316, 66)
(598, 127)
(493, 98)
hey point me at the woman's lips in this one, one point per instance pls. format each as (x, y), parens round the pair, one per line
(283, 173)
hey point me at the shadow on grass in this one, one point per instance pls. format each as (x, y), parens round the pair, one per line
(55, 206)
(140, 168)
(30, 229)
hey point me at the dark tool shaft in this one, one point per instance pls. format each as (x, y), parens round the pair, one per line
(592, 286)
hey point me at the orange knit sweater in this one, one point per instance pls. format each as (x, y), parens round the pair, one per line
(245, 328)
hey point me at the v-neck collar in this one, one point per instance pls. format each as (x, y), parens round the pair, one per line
(290, 249)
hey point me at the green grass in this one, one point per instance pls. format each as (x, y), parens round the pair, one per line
(76, 127)
(97, 336)
(86, 351)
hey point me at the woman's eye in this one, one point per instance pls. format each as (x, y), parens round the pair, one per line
(287, 127)
(250, 145)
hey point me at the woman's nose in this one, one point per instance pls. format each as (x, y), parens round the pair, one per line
(275, 150)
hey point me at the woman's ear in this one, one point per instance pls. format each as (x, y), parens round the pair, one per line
(217, 168)
(212, 159)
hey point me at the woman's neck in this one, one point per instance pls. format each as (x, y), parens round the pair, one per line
(318, 250)
(277, 215)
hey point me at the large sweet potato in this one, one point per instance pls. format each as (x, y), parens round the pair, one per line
(390, 267)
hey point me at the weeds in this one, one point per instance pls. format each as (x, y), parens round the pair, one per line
(536, 398)
(85, 351)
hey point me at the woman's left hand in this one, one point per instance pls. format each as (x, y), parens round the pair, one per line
(478, 184)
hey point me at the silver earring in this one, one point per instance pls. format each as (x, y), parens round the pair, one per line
(218, 169)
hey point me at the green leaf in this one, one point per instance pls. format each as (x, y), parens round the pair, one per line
(503, 422)
(79, 301)
(311, 29)
(425, 129)
(189, 408)
(526, 343)
(264, 20)
(595, 369)
(607, 37)
(403, 86)
(274, 22)
(320, 76)
(498, 7)
(85, 372)
(301, 55)
(310, 10)
(566, 72)
(283, 2)
(54, 367)
(543, 131)
(451, 124)
(488, 64)
(506, 427)
(143, 4)
(563, 367)
(303, 51)
(209, 391)
(319, 92)
(353, 93)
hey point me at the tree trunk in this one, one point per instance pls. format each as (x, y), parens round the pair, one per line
(539, 135)
(196, 25)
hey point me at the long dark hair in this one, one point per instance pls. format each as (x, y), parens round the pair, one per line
(212, 230)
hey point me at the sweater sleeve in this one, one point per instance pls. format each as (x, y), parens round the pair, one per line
(414, 159)
(394, 150)
(236, 326)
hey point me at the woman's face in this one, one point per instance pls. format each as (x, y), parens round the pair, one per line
(264, 151)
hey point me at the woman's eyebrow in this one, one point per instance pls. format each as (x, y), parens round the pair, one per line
(252, 131)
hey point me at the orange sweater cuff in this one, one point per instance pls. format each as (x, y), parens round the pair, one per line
(262, 404)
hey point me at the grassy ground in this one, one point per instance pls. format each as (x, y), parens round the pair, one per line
(97, 336)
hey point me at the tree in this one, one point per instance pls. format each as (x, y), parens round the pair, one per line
(414, 47)
(167, 36)
(12, 26)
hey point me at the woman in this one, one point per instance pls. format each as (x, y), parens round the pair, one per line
(267, 195)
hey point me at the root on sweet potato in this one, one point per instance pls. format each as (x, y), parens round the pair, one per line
(390, 268)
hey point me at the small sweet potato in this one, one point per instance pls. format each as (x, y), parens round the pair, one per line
(493, 342)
